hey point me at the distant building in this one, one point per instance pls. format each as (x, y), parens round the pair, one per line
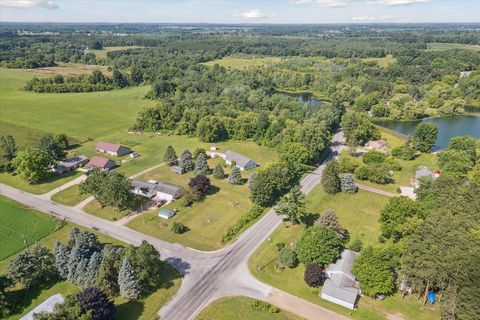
(242, 162)
(112, 149)
(103, 164)
(424, 172)
(213, 148)
(70, 164)
(341, 286)
(177, 169)
(377, 145)
(156, 190)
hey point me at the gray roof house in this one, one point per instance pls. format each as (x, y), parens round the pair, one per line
(143, 188)
(70, 164)
(242, 162)
(168, 191)
(424, 172)
(159, 190)
(341, 287)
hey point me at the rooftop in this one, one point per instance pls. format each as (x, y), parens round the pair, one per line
(423, 172)
(98, 162)
(71, 162)
(239, 159)
(114, 147)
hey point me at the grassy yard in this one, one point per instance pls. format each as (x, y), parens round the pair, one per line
(21, 226)
(107, 212)
(69, 196)
(359, 214)
(240, 308)
(207, 219)
(52, 181)
(243, 62)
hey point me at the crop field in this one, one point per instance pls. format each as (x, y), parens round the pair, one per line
(242, 62)
(438, 46)
(20, 227)
(69, 69)
(102, 53)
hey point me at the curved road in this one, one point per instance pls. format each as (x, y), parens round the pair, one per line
(207, 275)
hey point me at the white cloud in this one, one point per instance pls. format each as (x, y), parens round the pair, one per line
(26, 4)
(252, 14)
(325, 3)
(372, 18)
(399, 2)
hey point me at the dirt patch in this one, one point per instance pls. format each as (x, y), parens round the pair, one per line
(395, 316)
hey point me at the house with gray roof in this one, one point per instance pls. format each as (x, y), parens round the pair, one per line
(240, 161)
(143, 188)
(424, 172)
(341, 286)
(69, 164)
(157, 190)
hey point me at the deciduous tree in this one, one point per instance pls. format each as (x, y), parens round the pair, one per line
(200, 184)
(97, 302)
(425, 137)
(319, 245)
(31, 165)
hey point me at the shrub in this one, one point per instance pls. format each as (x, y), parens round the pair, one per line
(356, 245)
(392, 164)
(373, 157)
(244, 222)
(279, 246)
(218, 172)
(347, 183)
(373, 173)
(403, 152)
(264, 306)
(200, 184)
(188, 198)
(179, 228)
(314, 275)
(235, 177)
(347, 163)
(288, 257)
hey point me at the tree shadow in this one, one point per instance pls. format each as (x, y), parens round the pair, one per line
(129, 310)
(213, 190)
(173, 266)
(52, 177)
(23, 297)
(310, 218)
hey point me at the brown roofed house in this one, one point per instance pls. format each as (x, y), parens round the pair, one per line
(113, 149)
(103, 164)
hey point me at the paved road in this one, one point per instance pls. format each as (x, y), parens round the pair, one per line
(207, 275)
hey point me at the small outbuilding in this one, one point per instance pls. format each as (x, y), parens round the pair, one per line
(177, 169)
(240, 161)
(103, 164)
(341, 286)
(166, 213)
(70, 164)
(113, 149)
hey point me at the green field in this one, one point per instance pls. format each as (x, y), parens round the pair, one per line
(240, 308)
(438, 46)
(21, 227)
(207, 219)
(51, 182)
(359, 214)
(102, 53)
(243, 62)
(69, 196)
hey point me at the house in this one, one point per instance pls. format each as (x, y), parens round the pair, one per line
(242, 162)
(46, 306)
(70, 164)
(213, 148)
(157, 190)
(341, 286)
(103, 164)
(177, 169)
(166, 213)
(377, 145)
(112, 149)
(424, 172)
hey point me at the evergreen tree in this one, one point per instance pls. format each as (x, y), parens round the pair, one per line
(78, 259)
(329, 219)
(146, 264)
(235, 176)
(347, 183)
(330, 179)
(201, 165)
(62, 256)
(218, 172)
(107, 279)
(93, 269)
(292, 205)
(128, 281)
(80, 276)
(251, 178)
(186, 161)
(170, 157)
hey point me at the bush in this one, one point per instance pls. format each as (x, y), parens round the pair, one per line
(392, 164)
(347, 163)
(403, 152)
(179, 228)
(356, 245)
(347, 183)
(314, 275)
(373, 173)
(288, 257)
(373, 157)
(279, 246)
(264, 306)
(244, 222)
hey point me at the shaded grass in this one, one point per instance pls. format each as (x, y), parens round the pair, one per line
(207, 219)
(21, 226)
(70, 196)
(240, 308)
(52, 181)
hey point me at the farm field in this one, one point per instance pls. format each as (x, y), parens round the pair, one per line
(21, 227)
(69, 196)
(70, 69)
(102, 53)
(241, 308)
(243, 62)
(207, 219)
(438, 46)
(359, 215)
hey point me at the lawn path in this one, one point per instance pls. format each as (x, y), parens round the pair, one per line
(377, 191)
(75, 181)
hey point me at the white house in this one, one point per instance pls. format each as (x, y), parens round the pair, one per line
(242, 162)
(341, 287)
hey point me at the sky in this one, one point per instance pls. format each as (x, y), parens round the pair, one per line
(241, 11)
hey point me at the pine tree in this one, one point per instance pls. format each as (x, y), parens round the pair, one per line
(170, 157)
(330, 179)
(330, 220)
(62, 255)
(80, 276)
(107, 279)
(201, 165)
(251, 179)
(186, 161)
(128, 281)
(218, 172)
(235, 176)
(347, 183)
(77, 256)
(93, 269)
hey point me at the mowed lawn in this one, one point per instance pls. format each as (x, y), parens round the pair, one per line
(207, 219)
(21, 227)
(241, 308)
(69, 196)
(51, 182)
(359, 214)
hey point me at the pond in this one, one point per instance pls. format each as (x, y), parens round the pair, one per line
(448, 127)
(305, 97)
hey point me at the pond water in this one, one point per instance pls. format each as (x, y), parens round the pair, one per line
(305, 97)
(448, 127)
